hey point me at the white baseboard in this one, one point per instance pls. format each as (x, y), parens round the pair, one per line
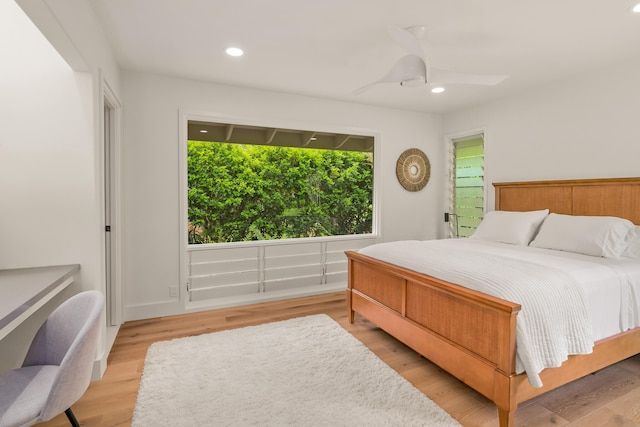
(100, 364)
(149, 311)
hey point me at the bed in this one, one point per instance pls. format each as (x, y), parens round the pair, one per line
(473, 335)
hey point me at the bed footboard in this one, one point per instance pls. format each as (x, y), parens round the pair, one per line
(469, 334)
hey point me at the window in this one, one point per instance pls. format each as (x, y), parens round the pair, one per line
(268, 212)
(254, 183)
(467, 179)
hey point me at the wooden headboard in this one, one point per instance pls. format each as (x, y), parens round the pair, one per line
(608, 196)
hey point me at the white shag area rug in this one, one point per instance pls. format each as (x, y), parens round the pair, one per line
(306, 371)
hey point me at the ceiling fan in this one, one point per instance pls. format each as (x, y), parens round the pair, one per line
(413, 69)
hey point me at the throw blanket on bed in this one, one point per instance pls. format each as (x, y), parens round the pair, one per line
(553, 322)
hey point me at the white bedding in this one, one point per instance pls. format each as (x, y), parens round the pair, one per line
(603, 294)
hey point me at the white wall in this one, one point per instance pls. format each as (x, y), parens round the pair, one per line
(152, 107)
(46, 164)
(74, 31)
(585, 127)
(50, 152)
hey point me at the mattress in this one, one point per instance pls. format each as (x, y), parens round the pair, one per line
(609, 288)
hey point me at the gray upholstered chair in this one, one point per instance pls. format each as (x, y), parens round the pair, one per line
(57, 368)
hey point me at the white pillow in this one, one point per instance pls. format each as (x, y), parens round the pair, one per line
(517, 228)
(633, 244)
(603, 236)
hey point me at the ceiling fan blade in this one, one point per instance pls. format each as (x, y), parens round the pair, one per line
(407, 40)
(409, 68)
(439, 76)
(364, 88)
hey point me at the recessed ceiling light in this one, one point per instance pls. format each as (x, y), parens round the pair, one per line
(636, 8)
(437, 89)
(234, 51)
(204, 131)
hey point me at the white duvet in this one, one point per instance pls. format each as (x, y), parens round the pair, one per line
(563, 295)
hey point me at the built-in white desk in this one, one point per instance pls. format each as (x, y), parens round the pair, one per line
(25, 290)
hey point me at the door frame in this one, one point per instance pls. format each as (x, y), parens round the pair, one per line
(111, 140)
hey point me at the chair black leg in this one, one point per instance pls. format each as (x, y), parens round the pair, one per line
(72, 418)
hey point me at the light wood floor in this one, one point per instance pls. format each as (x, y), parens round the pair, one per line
(610, 397)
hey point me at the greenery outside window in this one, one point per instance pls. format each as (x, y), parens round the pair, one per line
(254, 183)
(468, 185)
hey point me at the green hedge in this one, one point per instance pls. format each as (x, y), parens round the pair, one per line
(252, 192)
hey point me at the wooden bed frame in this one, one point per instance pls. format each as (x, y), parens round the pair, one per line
(473, 335)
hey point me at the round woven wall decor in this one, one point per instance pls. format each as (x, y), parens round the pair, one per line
(413, 169)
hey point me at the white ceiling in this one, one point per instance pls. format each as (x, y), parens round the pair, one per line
(329, 48)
